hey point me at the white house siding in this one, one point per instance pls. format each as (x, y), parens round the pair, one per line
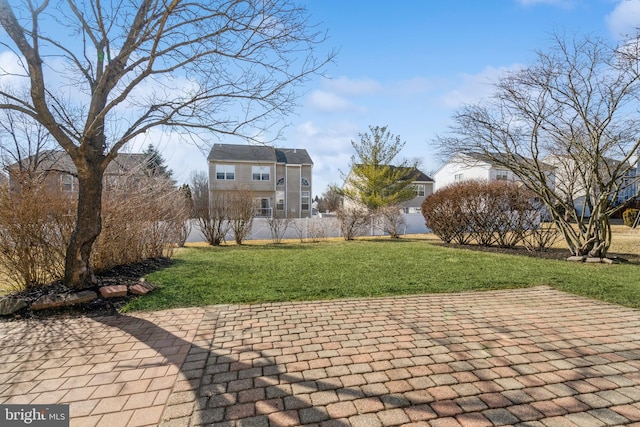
(446, 175)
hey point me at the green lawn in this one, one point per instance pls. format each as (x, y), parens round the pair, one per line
(368, 268)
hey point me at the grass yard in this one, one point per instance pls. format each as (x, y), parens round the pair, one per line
(265, 272)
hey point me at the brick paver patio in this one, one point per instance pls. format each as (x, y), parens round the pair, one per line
(532, 357)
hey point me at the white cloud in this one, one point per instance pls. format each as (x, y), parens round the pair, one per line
(13, 75)
(329, 146)
(412, 87)
(346, 86)
(473, 88)
(624, 19)
(329, 102)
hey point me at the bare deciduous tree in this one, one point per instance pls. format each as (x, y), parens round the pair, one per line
(224, 67)
(574, 109)
(210, 215)
(240, 212)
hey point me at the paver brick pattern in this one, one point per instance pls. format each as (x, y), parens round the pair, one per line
(534, 357)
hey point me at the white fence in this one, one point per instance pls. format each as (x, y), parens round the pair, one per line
(308, 228)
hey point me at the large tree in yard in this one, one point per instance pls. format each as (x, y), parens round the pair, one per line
(100, 74)
(568, 127)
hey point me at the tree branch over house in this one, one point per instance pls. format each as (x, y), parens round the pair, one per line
(113, 71)
(575, 108)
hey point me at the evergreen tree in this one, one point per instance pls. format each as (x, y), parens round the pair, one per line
(374, 180)
(155, 163)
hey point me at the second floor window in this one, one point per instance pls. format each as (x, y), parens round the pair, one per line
(260, 173)
(226, 172)
(419, 190)
(458, 177)
(502, 175)
(304, 182)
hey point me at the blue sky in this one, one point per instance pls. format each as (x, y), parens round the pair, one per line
(412, 64)
(409, 64)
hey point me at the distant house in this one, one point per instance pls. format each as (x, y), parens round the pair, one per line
(570, 181)
(59, 173)
(279, 178)
(465, 167)
(422, 185)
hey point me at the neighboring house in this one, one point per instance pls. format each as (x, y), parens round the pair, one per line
(279, 178)
(60, 174)
(424, 187)
(465, 167)
(422, 184)
(570, 181)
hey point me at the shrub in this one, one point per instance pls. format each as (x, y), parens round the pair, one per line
(142, 217)
(35, 227)
(278, 225)
(487, 213)
(390, 220)
(629, 216)
(352, 222)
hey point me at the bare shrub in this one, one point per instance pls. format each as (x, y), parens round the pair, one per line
(210, 212)
(143, 218)
(352, 222)
(240, 212)
(390, 220)
(316, 231)
(278, 225)
(36, 222)
(300, 229)
(443, 214)
(487, 213)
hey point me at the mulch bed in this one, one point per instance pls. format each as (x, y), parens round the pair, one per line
(129, 274)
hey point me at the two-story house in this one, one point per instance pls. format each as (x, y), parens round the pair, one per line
(58, 172)
(465, 167)
(278, 178)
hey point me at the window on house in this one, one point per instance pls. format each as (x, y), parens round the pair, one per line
(304, 182)
(419, 190)
(260, 173)
(68, 183)
(304, 200)
(457, 177)
(226, 172)
(262, 206)
(280, 200)
(502, 175)
(280, 181)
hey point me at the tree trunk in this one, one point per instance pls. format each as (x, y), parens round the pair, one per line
(77, 272)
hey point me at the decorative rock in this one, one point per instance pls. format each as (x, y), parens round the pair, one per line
(593, 260)
(81, 297)
(11, 305)
(576, 258)
(139, 289)
(113, 291)
(48, 301)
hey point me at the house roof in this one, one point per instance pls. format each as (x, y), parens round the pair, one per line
(417, 175)
(498, 160)
(259, 153)
(59, 161)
